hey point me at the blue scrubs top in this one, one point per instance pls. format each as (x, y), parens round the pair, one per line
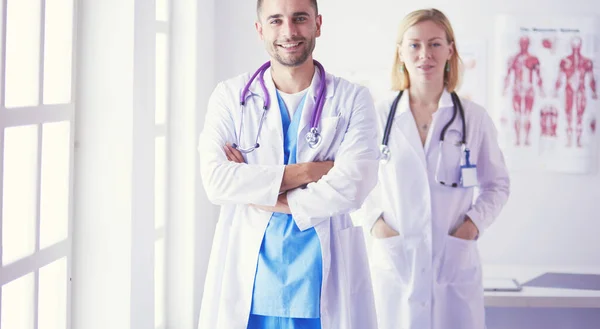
(289, 270)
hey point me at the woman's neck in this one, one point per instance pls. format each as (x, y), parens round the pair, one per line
(425, 96)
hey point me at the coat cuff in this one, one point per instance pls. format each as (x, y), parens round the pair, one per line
(302, 221)
(478, 220)
(371, 217)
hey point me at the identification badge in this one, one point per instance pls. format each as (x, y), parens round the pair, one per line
(468, 172)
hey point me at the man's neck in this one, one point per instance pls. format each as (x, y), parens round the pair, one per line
(291, 80)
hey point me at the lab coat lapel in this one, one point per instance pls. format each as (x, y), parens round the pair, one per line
(309, 105)
(406, 122)
(272, 142)
(444, 104)
(308, 110)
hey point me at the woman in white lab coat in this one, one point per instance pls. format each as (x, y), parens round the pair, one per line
(422, 216)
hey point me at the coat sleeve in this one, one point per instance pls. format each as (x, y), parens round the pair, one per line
(227, 182)
(372, 209)
(493, 178)
(352, 177)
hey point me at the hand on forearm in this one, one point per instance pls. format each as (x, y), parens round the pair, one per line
(300, 174)
(233, 154)
(280, 207)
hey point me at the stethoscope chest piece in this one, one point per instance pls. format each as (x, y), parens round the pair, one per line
(385, 153)
(313, 138)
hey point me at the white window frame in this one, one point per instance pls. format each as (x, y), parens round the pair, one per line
(39, 115)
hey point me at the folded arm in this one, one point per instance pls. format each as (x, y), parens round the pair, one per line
(294, 175)
(352, 177)
(228, 182)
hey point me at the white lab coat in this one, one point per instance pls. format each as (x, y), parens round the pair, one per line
(424, 278)
(349, 138)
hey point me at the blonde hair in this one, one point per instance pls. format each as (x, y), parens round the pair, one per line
(400, 77)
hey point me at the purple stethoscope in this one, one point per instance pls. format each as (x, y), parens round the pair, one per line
(313, 138)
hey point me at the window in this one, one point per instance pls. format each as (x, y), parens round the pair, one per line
(36, 161)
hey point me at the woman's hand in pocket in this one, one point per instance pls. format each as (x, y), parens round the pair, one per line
(467, 230)
(382, 230)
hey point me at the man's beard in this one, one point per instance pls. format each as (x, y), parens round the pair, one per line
(295, 60)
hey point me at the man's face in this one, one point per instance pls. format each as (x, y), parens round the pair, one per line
(289, 29)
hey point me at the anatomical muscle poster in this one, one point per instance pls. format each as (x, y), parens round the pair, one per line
(547, 81)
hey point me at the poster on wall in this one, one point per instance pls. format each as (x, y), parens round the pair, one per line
(546, 76)
(473, 78)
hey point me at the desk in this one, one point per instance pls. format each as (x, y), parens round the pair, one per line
(539, 296)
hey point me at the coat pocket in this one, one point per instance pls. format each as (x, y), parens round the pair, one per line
(396, 254)
(460, 262)
(327, 131)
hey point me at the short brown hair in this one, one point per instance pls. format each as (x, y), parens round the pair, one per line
(400, 78)
(259, 5)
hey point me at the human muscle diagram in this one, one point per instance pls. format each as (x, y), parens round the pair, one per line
(548, 118)
(546, 97)
(574, 69)
(524, 74)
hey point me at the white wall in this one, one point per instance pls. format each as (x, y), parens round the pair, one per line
(550, 219)
(206, 214)
(183, 204)
(103, 214)
(114, 228)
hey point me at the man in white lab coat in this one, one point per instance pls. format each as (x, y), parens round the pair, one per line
(285, 252)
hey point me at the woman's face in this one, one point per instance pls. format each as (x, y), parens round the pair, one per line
(424, 52)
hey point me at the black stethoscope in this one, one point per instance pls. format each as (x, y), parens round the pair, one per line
(467, 169)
